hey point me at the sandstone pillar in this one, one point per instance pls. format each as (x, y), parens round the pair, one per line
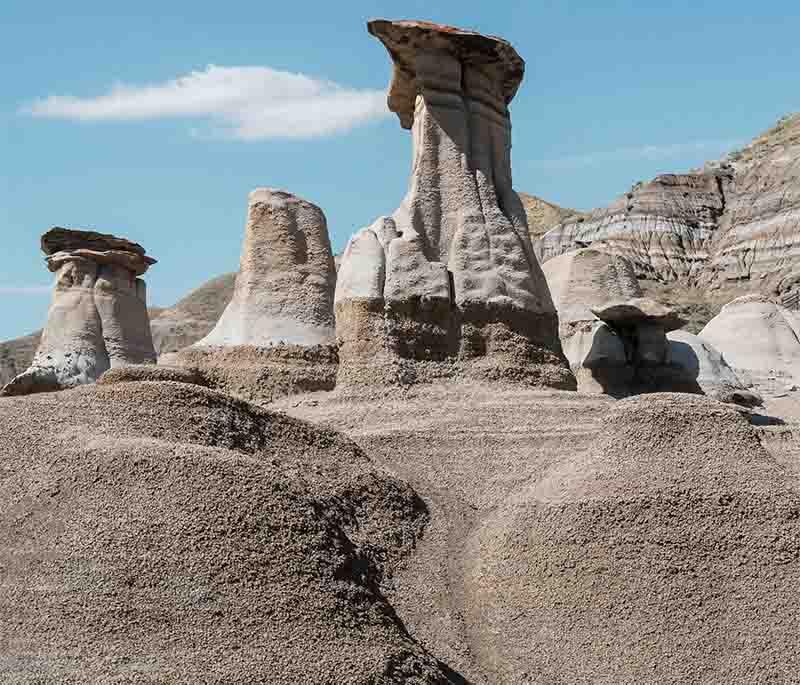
(277, 334)
(448, 286)
(98, 318)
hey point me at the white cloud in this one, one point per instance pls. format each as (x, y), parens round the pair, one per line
(701, 149)
(25, 289)
(247, 103)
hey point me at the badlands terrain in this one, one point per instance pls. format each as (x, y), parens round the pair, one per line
(493, 441)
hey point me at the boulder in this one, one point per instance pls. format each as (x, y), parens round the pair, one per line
(98, 318)
(277, 333)
(163, 532)
(448, 286)
(669, 554)
(701, 362)
(759, 339)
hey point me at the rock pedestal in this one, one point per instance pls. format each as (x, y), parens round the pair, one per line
(98, 318)
(276, 336)
(448, 285)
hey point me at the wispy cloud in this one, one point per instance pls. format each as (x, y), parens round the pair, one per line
(701, 149)
(25, 289)
(245, 103)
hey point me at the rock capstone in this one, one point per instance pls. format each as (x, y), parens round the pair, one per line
(448, 285)
(98, 317)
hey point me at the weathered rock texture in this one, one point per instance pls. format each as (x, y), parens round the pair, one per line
(160, 532)
(700, 362)
(448, 286)
(614, 339)
(668, 554)
(759, 339)
(277, 334)
(579, 280)
(734, 221)
(98, 318)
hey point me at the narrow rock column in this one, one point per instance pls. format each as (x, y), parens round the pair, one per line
(277, 335)
(98, 318)
(449, 286)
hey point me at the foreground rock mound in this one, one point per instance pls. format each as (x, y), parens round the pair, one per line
(162, 532)
(670, 555)
(98, 318)
(759, 339)
(277, 334)
(448, 286)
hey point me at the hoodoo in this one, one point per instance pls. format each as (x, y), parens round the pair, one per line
(448, 286)
(276, 335)
(98, 318)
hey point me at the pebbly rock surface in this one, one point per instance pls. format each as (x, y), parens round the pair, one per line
(163, 532)
(735, 221)
(277, 334)
(448, 286)
(670, 553)
(98, 317)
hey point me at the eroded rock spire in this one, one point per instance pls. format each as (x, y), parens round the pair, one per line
(448, 285)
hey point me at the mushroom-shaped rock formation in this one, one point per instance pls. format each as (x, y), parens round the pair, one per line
(449, 286)
(578, 281)
(277, 334)
(672, 555)
(643, 325)
(166, 533)
(759, 339)
(98, 318)
(698, 361)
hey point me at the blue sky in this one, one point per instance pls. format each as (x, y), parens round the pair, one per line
(98, 132)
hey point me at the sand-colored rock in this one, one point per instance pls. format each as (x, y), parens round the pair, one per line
(162, 532)
(759, 339)
(543, 215)
(284, 288)
(669, 554)
(98, 317)
(448, 286)
(277, 334)
(702, 363)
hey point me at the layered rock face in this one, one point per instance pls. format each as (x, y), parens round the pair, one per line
(759, 234)
(736, 221)
(277, 335)
(760, 339)
(449, 286)
(663, 227)
(98, 318)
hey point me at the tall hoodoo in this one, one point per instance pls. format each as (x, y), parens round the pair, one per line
(449, 284)
(98, 318)
(276, 336)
